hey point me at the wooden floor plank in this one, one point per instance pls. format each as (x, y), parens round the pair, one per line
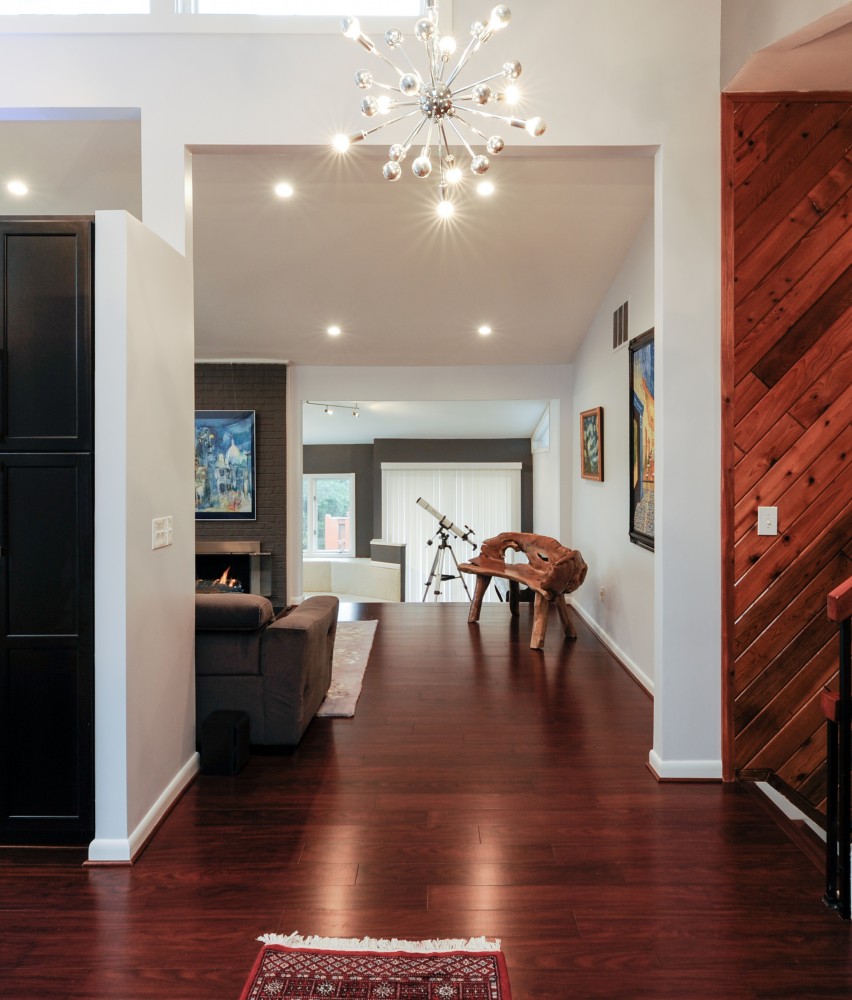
(482, 788)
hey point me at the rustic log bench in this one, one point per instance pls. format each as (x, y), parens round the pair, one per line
(551, 572)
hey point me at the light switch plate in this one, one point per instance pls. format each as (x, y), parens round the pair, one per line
(767, 520)
(161, 532)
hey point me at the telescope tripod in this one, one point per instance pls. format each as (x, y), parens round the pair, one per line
(437, 574)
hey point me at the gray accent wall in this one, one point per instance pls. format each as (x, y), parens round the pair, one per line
(366, 462)
(345, 458)
(262, 388)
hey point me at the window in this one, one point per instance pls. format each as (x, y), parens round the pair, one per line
(361, 8)
(75, 7)
(328, 515)
(484, 497)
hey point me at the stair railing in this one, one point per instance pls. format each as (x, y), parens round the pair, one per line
(837, 708)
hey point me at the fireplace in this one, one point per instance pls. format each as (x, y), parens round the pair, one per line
(240, 561)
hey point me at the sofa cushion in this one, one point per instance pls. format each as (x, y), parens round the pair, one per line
(232, 612)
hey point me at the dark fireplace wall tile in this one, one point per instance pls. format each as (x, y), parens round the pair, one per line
(262, 388)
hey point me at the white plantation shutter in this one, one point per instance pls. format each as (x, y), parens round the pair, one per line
(484, 497)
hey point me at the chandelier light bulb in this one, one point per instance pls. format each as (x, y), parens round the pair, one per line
(422, 166)
(486, 189)
(351, 27)
(479, 164)
(369, 107)
(424, 30)
(340, 142)
(442, 110)
(445, 209)
(512, 94)
(409, 84)
(500, 17)
(392, 171)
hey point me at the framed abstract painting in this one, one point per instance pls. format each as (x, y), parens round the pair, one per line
(224, 465)
(591, 444)
(641, 353)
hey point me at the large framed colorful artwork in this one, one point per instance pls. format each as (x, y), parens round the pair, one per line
(224, 465)
(641, 355)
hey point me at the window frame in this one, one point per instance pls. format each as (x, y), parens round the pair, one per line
(164, 18)
(312, 521)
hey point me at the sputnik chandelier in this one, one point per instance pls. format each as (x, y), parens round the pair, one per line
(438, 103)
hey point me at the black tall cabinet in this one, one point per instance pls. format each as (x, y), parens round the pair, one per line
(46, 531)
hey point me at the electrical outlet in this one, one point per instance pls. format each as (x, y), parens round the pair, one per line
(767, 520)
(161, 532)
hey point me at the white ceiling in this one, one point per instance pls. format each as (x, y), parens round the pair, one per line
(406, 419)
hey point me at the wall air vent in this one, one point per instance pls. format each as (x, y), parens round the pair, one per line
(619, 327)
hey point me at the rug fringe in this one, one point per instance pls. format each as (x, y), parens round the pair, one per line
(296, 940)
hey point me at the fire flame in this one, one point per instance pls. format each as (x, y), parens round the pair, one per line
(226, 581)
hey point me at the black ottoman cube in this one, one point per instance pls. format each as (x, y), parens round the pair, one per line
(224, 742)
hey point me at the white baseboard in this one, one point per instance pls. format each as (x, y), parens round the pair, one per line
(787, 807)
(124, 850)
(615, 649)
(685, 770)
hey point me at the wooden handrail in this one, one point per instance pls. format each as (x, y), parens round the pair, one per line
(839, 603)
(838, 713)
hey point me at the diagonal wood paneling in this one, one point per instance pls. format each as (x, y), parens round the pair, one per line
(787, 424)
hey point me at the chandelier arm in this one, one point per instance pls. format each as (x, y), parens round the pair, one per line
(443, 135)
(487, 114)
(409, 142)
(388, 62)
(462, 139)
(472, 46)
(470, 86)
(393, 121)
(473, 128)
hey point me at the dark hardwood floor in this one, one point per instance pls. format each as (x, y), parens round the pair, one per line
(481, 789)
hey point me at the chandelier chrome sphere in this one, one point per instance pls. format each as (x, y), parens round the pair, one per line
(438, 104)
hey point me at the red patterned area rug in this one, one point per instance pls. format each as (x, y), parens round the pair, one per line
(293, 966)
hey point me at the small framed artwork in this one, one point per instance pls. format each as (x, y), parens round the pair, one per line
(224, 465)
(641, 353)
(591, 444)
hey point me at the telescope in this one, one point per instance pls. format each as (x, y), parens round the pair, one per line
(447, 524)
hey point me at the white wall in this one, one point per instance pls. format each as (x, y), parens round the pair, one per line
(624, 615)
(145, 724)
(431, 384)
(610, 73)
(547, 479)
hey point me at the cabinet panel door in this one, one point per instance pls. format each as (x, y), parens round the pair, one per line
(45, 334)
(46, 648)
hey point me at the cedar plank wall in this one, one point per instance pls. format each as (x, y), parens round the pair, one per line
(787, 377)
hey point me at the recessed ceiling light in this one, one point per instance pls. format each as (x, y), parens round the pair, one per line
(334, 331)
(485, 331)
(18, 188)
(284, 190)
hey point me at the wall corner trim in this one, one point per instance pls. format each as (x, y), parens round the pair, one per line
(684, 770)
(126, 849)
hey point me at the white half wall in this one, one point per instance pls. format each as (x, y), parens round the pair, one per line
(144, 639)
(617, 598)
